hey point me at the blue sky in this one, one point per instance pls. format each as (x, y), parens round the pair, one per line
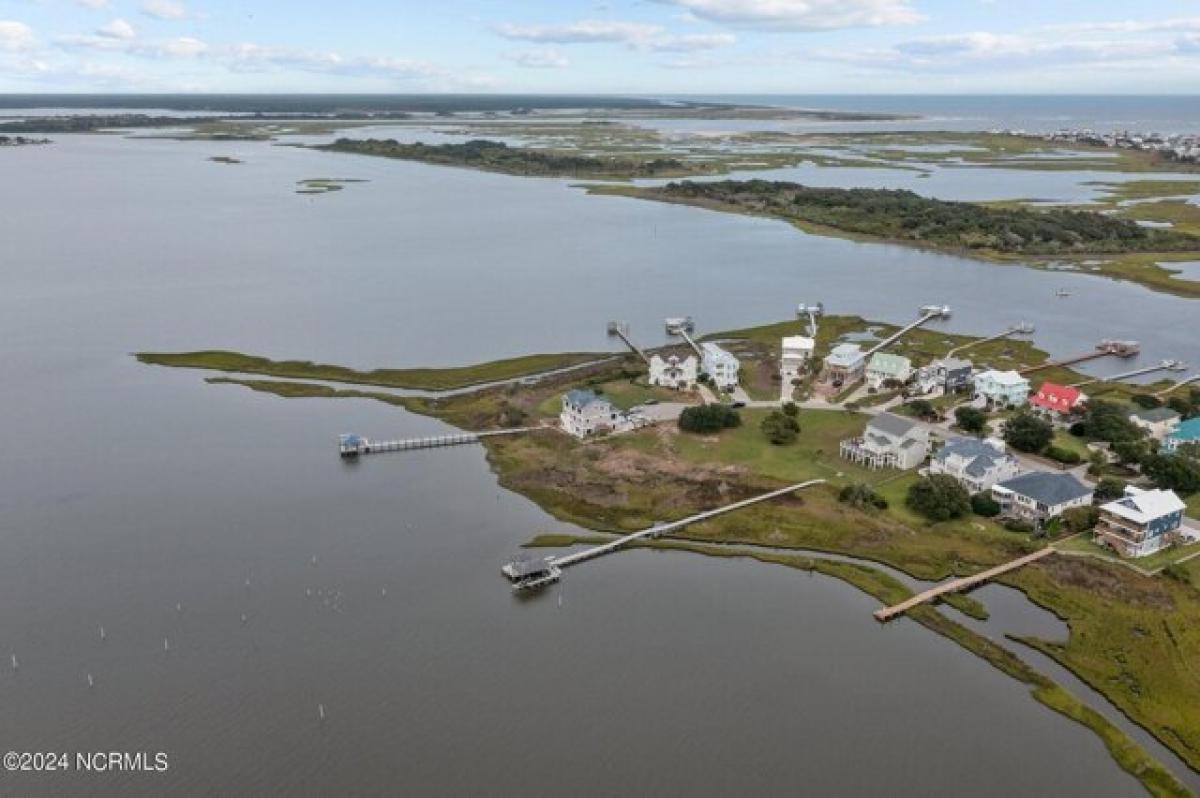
(618, 46)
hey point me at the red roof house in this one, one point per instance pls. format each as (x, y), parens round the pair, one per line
(1057, 398)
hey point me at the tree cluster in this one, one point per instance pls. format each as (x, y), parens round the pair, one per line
(708, 418)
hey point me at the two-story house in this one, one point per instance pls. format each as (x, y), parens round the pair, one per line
(1141, 522)
(976, 465)
(1002, 388)
(585, 414)
(1040, 495)
(1159, 422)
(845, 364)
(674, 371)
(1056, 400)
(884, 367)
(721, 366)
(797, 351)
(889, 441)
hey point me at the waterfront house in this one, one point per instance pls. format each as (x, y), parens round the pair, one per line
(1040, 495)
(845, 364)
(1057, 400)
(883, 368)
(585, 414)
(1159, 422)
(948, 375)
(1187, 432)
(797, 351)
(976, 465)
(721, 366)
(674, 372)
(889, 441)
(1141, 522)
(1001, 388)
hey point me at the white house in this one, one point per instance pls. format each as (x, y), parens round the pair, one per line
(674, 372)
(584, 414)
(720, 365)
(1040, 495)
(884, 367)
(845, 364)
(797, 351)
(889, 441)
(976, 465)
(1160, 422)
(1002, 388)
(1141, 522)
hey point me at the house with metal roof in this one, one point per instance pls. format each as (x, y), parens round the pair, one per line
(948, 375)
(1002, 388)
(1141, 522)
(797, 350)
(976, 465)
(1040, 495)
(1187, 432)
(845, 364)
(584, 414)
(674, 371)
(884, 367)
(1057, 400)
(1159, 422)
(889, 441)
(721, 366)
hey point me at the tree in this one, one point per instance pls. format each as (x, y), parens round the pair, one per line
(1145, 400)
(780, 428)
(1110, 488)
(1131, 452)
(790, 409)
(708, 418)
(970, 419)
(1026, 432)
(984, 505)
(1173, 472)
(862, 496)
(1106, 421)
(922, 409)
(1061, 454)
(939, 498)
(1080, 519)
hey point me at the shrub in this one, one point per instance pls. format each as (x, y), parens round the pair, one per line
(970, 419)
(1026, 432)
(862, 497)
(1145, 400)
(1173, 472)
(1062, 455)
(939, 498)
(1018, 525)
(1080, 519)
(1178, 573)
(780, 428)
(984, 505)
(1110, 488)
(790, 409)
(922, 409)
(708, 418)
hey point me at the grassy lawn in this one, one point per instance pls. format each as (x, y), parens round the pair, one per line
(1085, 544)
(1065, 440)
(1193, 505)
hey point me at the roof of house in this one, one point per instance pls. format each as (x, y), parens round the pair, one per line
(715, 352)
(527, 564)
(1154, 415)
(980, 455)
(1143, 506)
(953, 363)
(1047, 487)
(889, 364)
(891, 424)
(581, 397)
(1007, 378)
(844, 355)
(1053, 396)
(798, 342)
(1188, 430)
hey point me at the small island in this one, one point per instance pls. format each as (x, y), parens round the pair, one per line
(20, 141)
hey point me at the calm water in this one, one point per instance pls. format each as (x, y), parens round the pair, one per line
(128, 490)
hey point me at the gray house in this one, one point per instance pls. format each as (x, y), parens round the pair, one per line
(1040, 495)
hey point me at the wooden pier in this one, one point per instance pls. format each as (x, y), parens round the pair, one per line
(1103, 349)
(1023, 328)
(695, 347)
(928, 313)
(354, 445)
(1166, 365)
(621, 330)
(957, 585)
(1178, 385)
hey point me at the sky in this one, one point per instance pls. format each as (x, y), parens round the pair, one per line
(602, 46)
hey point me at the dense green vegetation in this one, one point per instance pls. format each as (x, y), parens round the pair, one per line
(496, 156)
(1026, 432)
(428, 379)
(905, 216)
(708, 418)
(20, 141)
(938, 498)
(780, 428)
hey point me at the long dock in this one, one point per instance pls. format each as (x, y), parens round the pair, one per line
(1024, 328)
(662, 529)
(621, 330)
(1166, 365)
(1103, 349)
(1176, 386)
(956, 585)
(928, 313)
(695, 347)
(354, 445)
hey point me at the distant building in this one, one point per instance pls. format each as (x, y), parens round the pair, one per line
(889, 441)
(1141, 522)
(1159, 422)
(1002, 388)
(976, 465)
(949, 375)
(845, 363)
(1059, 400)
(721, 366)
(585, 414)
(884, 367)
(797, 351)
(674, 372)
(1187, 432)
(1040, 495)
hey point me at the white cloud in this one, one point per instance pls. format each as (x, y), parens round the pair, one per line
(801, 15)
(117, 29)
(635, 35)
(15, 36)
(179, 47)
(547, 58)
(586, 31)
(164, 9)
(248, 57)
(1132, 26)
(93, 4)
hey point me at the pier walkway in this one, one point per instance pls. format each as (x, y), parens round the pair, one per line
(354, 445)
(957, 585)
(662, 529)
(928, 313)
